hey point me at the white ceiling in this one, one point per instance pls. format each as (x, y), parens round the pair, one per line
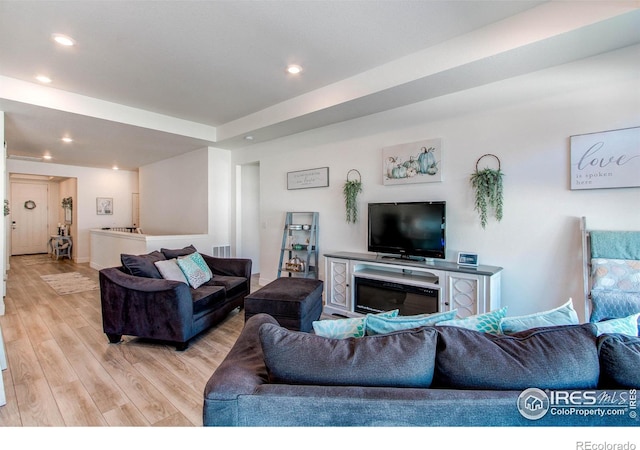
(149, 80)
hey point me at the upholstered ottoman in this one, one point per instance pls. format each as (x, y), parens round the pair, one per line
(294, 302)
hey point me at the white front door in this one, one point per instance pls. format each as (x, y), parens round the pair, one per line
(29, 213)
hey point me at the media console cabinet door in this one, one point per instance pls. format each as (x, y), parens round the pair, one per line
(338, 286)
(465, 292)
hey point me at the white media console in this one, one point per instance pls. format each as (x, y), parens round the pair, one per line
(444, 285)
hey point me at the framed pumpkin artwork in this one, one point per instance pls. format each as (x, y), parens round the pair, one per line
(414, 162)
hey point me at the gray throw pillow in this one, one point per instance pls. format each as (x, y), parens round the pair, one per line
(142, 265)
(558, 357)
(175, 253)
(619, 361)
(402, 359)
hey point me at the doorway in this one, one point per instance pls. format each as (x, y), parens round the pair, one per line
(29, 217)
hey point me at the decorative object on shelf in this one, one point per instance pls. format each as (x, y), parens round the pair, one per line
(67, 205)
(351, 190)
(29, 204)
(415, 162)
(310, 178)
(104, 206)
(295, 264)
(488, 190)
(467, 259)
(6, 207)
(609, 159)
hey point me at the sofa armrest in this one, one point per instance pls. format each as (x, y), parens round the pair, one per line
(145, 307)
(118, 277)
(241, 372)
(235, 267)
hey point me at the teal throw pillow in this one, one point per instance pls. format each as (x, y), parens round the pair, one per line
(193, 272)
(346, 328)
(562, 315)
(382, 325)
(485, 323)
(625, 325)
(199, 260)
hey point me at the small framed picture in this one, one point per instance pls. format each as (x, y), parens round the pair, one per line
(104, 206)
(467, 259)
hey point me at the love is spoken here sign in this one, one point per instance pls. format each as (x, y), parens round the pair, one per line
(610, 159)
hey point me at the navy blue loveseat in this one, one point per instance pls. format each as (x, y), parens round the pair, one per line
(136, 300)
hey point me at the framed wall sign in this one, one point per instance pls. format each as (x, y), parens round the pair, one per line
(309, 178)
(467, 259)
(609, 159)
(104, 206)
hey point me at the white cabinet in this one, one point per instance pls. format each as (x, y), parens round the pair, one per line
(472, 294)
(338, 289)
(469, 290)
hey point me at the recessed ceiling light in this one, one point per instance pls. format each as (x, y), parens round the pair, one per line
(294, 69)
(115, 167)
(67, 139)
(43, 79)
(63, 40)
(47, 157)
(248, 138)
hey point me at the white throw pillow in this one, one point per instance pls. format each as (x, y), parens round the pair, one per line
(170, 270)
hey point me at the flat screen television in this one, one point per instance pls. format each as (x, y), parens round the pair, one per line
(409, 229)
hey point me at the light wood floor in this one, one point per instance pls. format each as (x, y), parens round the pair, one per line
(63, 372)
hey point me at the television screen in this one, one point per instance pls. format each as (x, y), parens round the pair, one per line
(408, 229)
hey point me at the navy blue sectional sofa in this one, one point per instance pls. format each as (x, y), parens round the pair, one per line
(430, 376)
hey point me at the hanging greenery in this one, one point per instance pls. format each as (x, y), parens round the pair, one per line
(6, 207)
(351, 190)
(67, 202)
(488, 192)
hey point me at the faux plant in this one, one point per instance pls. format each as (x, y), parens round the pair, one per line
(67, 202)
(351, 190)
(488, 193)
(6, 207)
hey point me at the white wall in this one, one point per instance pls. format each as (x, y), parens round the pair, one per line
(527, 122)
(248, 213)
(91, 183)
(4, 258)
(174, 195)
(219, 195)
(188, 194)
